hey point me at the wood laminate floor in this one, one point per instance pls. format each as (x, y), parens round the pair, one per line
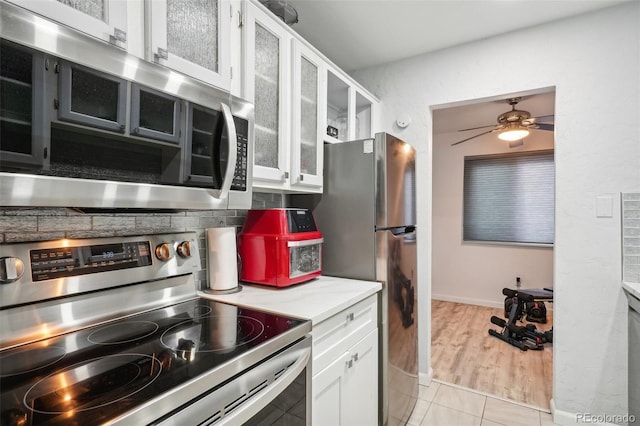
(464, 354)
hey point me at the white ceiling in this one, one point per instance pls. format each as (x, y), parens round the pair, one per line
(356, 34)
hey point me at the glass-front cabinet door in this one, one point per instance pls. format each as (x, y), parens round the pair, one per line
(338, 117)
(154, 114)
(23, 140)
(350, 110)
(104, 19)
(266, 84)
(307, 138)
(91, 98)
(363, 116)
(192, 37)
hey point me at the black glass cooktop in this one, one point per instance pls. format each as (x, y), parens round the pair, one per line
(96, 374)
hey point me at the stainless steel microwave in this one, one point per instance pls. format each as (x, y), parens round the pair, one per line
(85, 124)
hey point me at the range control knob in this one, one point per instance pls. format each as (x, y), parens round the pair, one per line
(11, 269)
(164, 251)
(184, 249)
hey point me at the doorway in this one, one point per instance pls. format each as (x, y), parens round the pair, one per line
(468, 276)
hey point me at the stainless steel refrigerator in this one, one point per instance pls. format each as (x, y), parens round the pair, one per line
(367, 215)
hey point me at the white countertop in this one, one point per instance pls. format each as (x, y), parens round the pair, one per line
(632, 288)
(316, 300)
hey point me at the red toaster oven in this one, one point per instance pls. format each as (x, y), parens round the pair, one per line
(279, 247)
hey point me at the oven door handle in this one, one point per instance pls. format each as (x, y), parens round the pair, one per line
(239, 400)
(263, 398)
(232, 149)
(305, 243)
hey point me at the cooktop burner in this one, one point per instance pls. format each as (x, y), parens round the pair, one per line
(228, 332)
(99, 373)
(21, 360)
(126, 332)
(92, 384)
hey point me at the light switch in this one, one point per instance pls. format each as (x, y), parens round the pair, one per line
(604, 205)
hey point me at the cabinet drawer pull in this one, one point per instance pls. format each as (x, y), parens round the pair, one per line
(350, 363)
(355, 357)
(350, 317)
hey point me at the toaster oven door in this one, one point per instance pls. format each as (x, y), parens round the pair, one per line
(305, 257)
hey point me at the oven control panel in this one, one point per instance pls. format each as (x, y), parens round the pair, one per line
(48, 269)
(59, 262)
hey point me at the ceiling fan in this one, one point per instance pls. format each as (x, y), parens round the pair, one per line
(513, 125)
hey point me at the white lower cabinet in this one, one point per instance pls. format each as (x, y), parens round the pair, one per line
(345, 367)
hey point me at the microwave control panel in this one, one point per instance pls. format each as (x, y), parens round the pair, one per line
(239, 182)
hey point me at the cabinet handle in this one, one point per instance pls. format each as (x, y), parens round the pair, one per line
(118, 36)
(355, 357)
(350, 363)
(350, 317)
(162, 54)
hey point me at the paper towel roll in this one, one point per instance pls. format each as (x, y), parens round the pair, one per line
(222, 258)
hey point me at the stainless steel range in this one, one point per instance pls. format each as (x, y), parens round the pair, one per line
(112, 331)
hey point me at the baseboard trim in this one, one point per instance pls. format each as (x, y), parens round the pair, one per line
(478, 302)
(566, 418)
(424, 379)
(468, 301)
(489, 395)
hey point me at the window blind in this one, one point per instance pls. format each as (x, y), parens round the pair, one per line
(509, 198)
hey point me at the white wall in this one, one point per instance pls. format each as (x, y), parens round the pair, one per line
(594, 63)
(476, 273)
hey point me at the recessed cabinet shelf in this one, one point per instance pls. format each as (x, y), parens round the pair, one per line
(350, 111)
(16, 100)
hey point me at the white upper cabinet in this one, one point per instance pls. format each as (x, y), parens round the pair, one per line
(309, 87)
(104, 19)
(350, 110)
(338, 94)
(191, 37)
(297, 95)
(364, 110)
(267, 84)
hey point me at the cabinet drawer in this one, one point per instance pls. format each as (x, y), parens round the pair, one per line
(333, 336)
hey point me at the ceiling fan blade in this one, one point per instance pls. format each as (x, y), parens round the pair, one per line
(472, 137)
(476, 128)
(544, 126)
(543, 118)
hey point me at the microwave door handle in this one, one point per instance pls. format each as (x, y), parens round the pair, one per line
(232, 140)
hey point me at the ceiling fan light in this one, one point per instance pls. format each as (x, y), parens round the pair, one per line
(514, 133)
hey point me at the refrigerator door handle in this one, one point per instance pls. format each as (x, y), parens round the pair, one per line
(397, 230)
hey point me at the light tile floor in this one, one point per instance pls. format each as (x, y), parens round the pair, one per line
(442, 404)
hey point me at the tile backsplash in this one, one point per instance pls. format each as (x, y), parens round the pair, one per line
(39, 224)
(631, 237)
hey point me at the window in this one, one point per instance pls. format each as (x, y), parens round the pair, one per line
(509, 198)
